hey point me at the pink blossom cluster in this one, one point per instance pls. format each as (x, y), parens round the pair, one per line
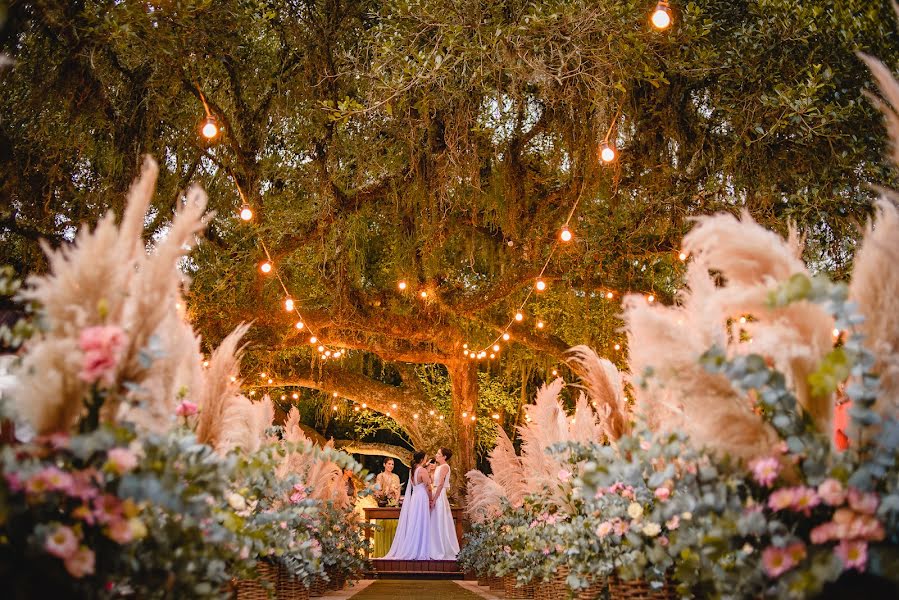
(853, 526)
(777, 561)
(298, 494)
(765, 470)
(619, 488)
(617, 526)
(64, 543)
(102, 347)
(798, 499)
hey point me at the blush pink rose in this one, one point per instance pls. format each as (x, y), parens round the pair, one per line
(81, 562)
(102, 347)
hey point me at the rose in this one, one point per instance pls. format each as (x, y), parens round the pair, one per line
(102, 347)
(121, 460)
(186, 409)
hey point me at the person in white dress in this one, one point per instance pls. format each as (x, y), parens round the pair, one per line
(412, 539)
(443, 542)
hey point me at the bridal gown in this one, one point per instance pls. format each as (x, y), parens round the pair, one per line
(411, 540)
(443, 542)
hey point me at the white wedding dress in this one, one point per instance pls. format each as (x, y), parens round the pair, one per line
(411, 541)
(443, 542)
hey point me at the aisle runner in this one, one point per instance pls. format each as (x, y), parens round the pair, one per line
(393, 589)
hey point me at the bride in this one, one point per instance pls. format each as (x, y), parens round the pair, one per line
(412, 532)
(443, 542)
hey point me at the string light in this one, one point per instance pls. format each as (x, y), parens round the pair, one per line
(299, 325)
(496, 416)
(441, 417)
(836, 333)
(565, 234)
(496, 347)
(334, 407)
(364, 405)
(423, 294)
(540, 285)
(472, 417)
(210, 128)
(295, 396)
(519, 317)
(321, 348)
(270, 381)
(205, 363)
(334, 394)
(401, 285)
(492, 356)
(555, 373)
(650, 298)
(506, 336)
(262, 375)
(288, 304)
(313, 339)
(661, 17)
(431, 412)
(415, 416)
(465, 414)
(610, 295)
(742, 319)
(233, 379)
(266, 267)
(393, 406)
(283, 396)
(539, 324)
(465, 345)
(356, 408)
(607, 152)
(246, 213)
(682, 256)
(617, 346)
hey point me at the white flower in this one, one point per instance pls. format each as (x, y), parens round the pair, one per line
(686, 516)
(652, 529)
(635, 510)
(236, 501)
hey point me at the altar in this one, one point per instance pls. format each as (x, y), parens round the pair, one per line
(387, 517)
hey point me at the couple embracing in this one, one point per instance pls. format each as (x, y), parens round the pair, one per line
(425, 530)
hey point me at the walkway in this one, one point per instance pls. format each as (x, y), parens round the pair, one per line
(416, 589)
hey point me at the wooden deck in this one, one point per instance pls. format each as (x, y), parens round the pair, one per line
(434, 569)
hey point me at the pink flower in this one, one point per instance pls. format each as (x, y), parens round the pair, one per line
(564, 475)
(776, 561)
(644, 445)
(781, 499)
(80, 563)
(604, 529)
(119, 531)
(663, 540)
(186, 409)
(832, 492)
(546, 551)
(805, 499)
(107, 508)
(55, 479)
(823, 533)
(102, 346)
(663, 494)
(765, 470)
(796, 552)
(853, 554)
(61, 542)
(673, 523)
(14, 482)
(121, 460)
(620, 527)
(863, 502)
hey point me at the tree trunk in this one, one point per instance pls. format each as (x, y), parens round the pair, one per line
(464, 379)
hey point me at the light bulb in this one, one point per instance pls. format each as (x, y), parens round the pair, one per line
(262, 375)
(465, 414)
(299, 325)
(327, 353)
(334, 394)
(288, 304)
(465, 345)
(496, 347)
(540, 285)
(321, 348)
(333, 407)
(233, 379)
(313, 339)
(519, 317)
(423, 294)
(506, 336)
(650, 298)
(539, 324)
(465, 353)
(496, 416)
(742, 319)
(441, 417)
(610, 295)
(205, 363)
(492, 356)
(415, 416)
(210, 128)
(836, 333)
(364, 405)
(266, 267)
(269, 381)
(607, 152)
(246, 213)
(401, 285)
(661, 17)
(555, 373)
(472, 417)
(338, 354)
(617, 346)
(283, 396)
(295, 396)
(393, 406)
(431, 412)
(356, 408)
(682, 256)
(565, 234)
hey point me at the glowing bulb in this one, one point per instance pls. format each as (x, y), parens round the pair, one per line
(393, 406)
(253, 393)
(269, 381)
(496, 347)
(610, 295)
(441, 417)
(661, 17)
(836, 333)
(356, 408)
(401, 285)
(334, 394)
(519, 317)
(266, 267)
(423, 294)
(539, 324)
(506, 336)
(283, 396)
(313, 339)
(540, 285)
(465, 345)
(496, 416)
(607, 153)
(288, 305)
(205, 363)
(472, 417)
(465, 414)
(364, 405)
(295, 396)
(246, 213)
(415, 416)
(299, 325)
(338, 354)
(233, 379)
(327, 353)
(431, 412)
(565, 234)
(465, 352)
(321, 348)
(262, 375)
(650, 298)
(555, 373)
(617, 346)
(333, 407)
(492, 356)
(210, 128)
(682, 256)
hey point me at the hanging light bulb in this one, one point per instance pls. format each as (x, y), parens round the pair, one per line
(246, 213)
(334, 394)
(465, 346)
(607, 152)
(327, 353)
(555, 373)
(295, 396)
(540, 285)
(519, 317)
(506, 336)
(496, 347)
(288, 304)
(610, 295)
(682, 256)
(313, 339)
(465, 352)
(565, 234)
(269, 381)
(464, 414)
(338, 354)
(539, 324)
(415, 416)
(333, 407)
(262, 375)
(393, 406)
(364, 405)
(423, 294)
(299, 325)
(661, 16)
(650, 298)
(472, 417)
(431, 412)
(401, 285)
(210, 127)
(266, 267)
(617, 346)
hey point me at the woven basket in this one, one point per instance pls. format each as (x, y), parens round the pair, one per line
(593, 592)
(317, 589)
(289, 587)
(495, 583)
(515, 591)
(550, 590)
(638, 589)
(254, 589)
(483, 580)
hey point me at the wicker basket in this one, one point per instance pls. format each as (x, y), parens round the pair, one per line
(317, 589)
(515, 591)
(289, 587)
(254, 589)
(483, 580)
(593, 592)
(495, 583)
(638, 589)
(550, 590)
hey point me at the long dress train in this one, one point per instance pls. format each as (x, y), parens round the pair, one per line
(412, 531)
(443, 542)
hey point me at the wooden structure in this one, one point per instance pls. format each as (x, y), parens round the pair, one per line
(420, 568)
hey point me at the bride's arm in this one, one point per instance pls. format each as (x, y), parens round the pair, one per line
(441, 481)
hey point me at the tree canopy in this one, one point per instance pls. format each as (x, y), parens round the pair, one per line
(442, 143)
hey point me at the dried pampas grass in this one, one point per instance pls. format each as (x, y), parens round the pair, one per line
(484, 497)
(507, 468)
(606, 392)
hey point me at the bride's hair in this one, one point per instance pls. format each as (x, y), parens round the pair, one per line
(417, 458)
(447, 453)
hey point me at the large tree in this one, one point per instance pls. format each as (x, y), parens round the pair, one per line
(442, 143)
